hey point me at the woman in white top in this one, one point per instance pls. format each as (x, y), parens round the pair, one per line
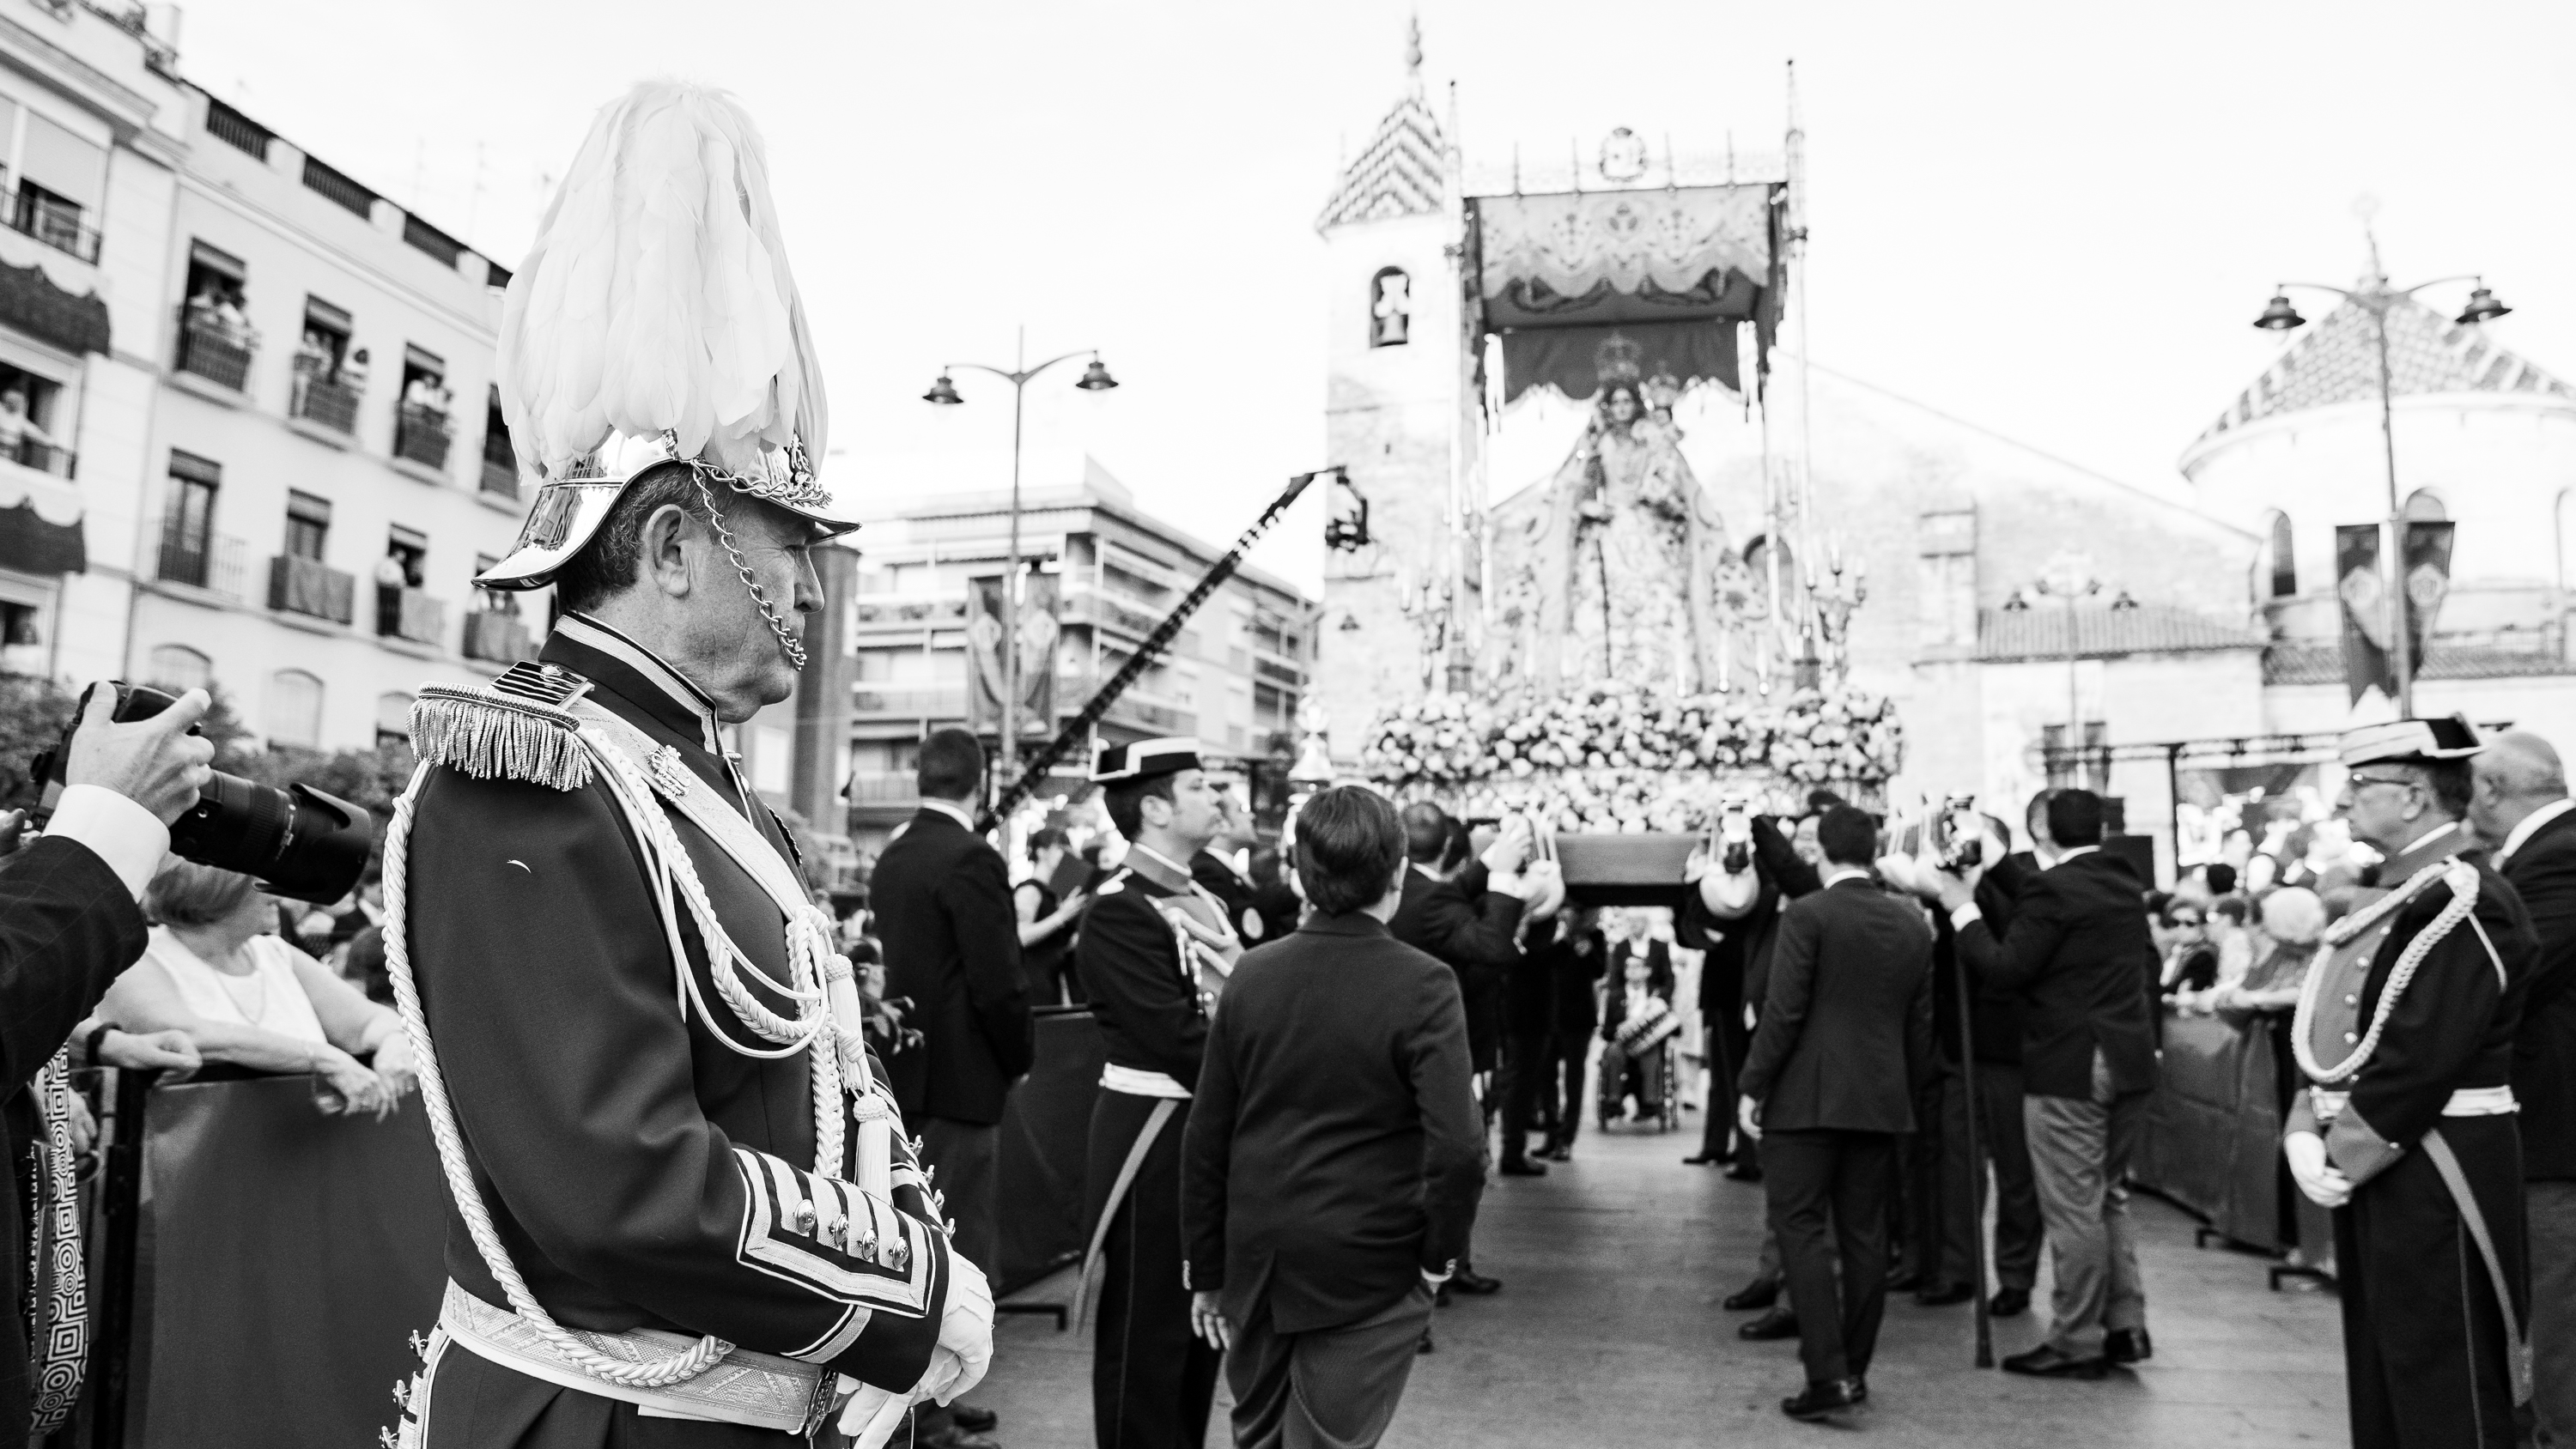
(214, 970)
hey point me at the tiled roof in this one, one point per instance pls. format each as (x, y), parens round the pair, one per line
(1397, 174)
(2101, 631)
(2337, 361)
(2311, 663)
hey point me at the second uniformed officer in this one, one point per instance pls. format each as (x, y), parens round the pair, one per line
(1154, 949)
(2405, 1034)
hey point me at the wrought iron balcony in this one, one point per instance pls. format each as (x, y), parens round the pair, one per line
(209, 561)
(408, 613)
(42, 456)
(56, 224)
(498, 637)
(320, 400)
(500, 465)
(910, 701)
(300, 585)
(205, 349)
(421, 436)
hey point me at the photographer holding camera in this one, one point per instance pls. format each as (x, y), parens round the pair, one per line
(69, 923)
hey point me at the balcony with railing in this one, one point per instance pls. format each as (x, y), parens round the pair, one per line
(209, 561)
(213, 351)
(884, 787)
(500, 465)
(497, 637)
(55, 223)
(421, 436)
(403, 612)
(300, 585)
(329, 404)
(35, 453)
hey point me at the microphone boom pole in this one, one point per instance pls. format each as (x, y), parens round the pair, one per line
(1035, 767)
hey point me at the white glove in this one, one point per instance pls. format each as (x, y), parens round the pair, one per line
(2324, 1184)
(872, 1414)
(957, 1365)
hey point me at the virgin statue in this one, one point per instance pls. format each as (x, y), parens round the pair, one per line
(1629, 558)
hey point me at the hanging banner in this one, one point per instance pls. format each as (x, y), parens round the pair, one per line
(1038, 630)
(2428, 583)
(2365, 610)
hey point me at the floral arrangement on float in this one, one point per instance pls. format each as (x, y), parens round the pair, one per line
(1617, 759)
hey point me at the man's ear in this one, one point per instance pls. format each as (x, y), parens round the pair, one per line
(661, 557)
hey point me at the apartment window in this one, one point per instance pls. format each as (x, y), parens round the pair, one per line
(188, 523)
(178, 669)
(22, 638)
(420, 428)
(2285, 565)
(294, 709)
(27, 419)
(500, 465)
(237, 130)
(876, 666)
(60, 180)
(406, 558)
(216, 339)
(308, 525)
(493, 601)
(421, 236)
(338, 189)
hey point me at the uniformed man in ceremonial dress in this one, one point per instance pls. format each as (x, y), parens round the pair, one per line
(682, 1209)
(2405, 1033)
(1154, 951)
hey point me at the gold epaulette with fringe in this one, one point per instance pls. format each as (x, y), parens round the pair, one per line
(519, 727)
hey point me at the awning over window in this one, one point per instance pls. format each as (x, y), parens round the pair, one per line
(1643, 284)
(30, 302)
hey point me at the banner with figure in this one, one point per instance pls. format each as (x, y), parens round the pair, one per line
(2428, 583)
(1038, 630)
(2365, 611)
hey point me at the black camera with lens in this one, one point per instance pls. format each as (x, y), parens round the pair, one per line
(298, 842)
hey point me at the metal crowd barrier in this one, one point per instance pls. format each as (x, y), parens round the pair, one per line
(2211, 1143)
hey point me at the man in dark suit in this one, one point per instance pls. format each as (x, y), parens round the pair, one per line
(1828, 1083)
(1213, 870)
(1536, 1044)
(1334, 1153)
(1466, 914)
(2078, 953)
(944, 913)
(69, 925)
(2520, 804)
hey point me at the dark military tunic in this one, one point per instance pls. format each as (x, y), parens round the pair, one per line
(1152, 1380)
(2424, 1342)
(622, 1151)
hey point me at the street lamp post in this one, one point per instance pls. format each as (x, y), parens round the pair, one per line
(943, 393)
(2376, 297)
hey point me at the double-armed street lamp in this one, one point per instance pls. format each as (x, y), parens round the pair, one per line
(943, 393)
(2376, 297)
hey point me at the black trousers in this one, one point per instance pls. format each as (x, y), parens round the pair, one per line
(1152, 1380)
(1828, 1195)
(1727, 1041)
(2005, 1140)
(1569, 1056)
(1327, 1388)
(1528, 1073)
(1941, 1230)
(963, 1158)
(2423, 1344)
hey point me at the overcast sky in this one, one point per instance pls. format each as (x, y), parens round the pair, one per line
(2050, 222)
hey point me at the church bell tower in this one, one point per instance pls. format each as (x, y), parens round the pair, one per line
(1400, 607)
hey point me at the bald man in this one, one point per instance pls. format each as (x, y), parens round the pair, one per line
(2521, 804)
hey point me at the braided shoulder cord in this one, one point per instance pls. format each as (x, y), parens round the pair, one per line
(704, 1355)
(2462, 878)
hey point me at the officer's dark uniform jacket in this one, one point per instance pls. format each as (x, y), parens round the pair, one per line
(632, 1162)
(2427, 1360)
(1145, 997)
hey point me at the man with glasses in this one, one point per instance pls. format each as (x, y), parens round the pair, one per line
(2406, 1129)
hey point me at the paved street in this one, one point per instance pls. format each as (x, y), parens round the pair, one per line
(1608, 1332)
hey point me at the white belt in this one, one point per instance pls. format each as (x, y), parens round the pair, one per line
(1138, 1082)
(2466, 1102)
(757, 1389)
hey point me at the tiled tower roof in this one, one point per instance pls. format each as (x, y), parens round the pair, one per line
(1400, 171)
(2337, 361)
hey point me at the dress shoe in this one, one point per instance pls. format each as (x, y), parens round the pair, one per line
(972, 1419)
(1523, 1167)
(2128, 1345)
(1760, 1293)
(1472, 1283)
(1561, 1152)
(1745, 1172)
(955, 1436)
(2009, 1303)
(1945, 1295)
(1905, 1281)
(1702, 1159)
(2045, 1362)
(1440, 1297)
(1424, 1346)
(1829, 1397)
(1778, 1323)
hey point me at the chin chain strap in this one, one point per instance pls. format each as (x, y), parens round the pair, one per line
(788, 643)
